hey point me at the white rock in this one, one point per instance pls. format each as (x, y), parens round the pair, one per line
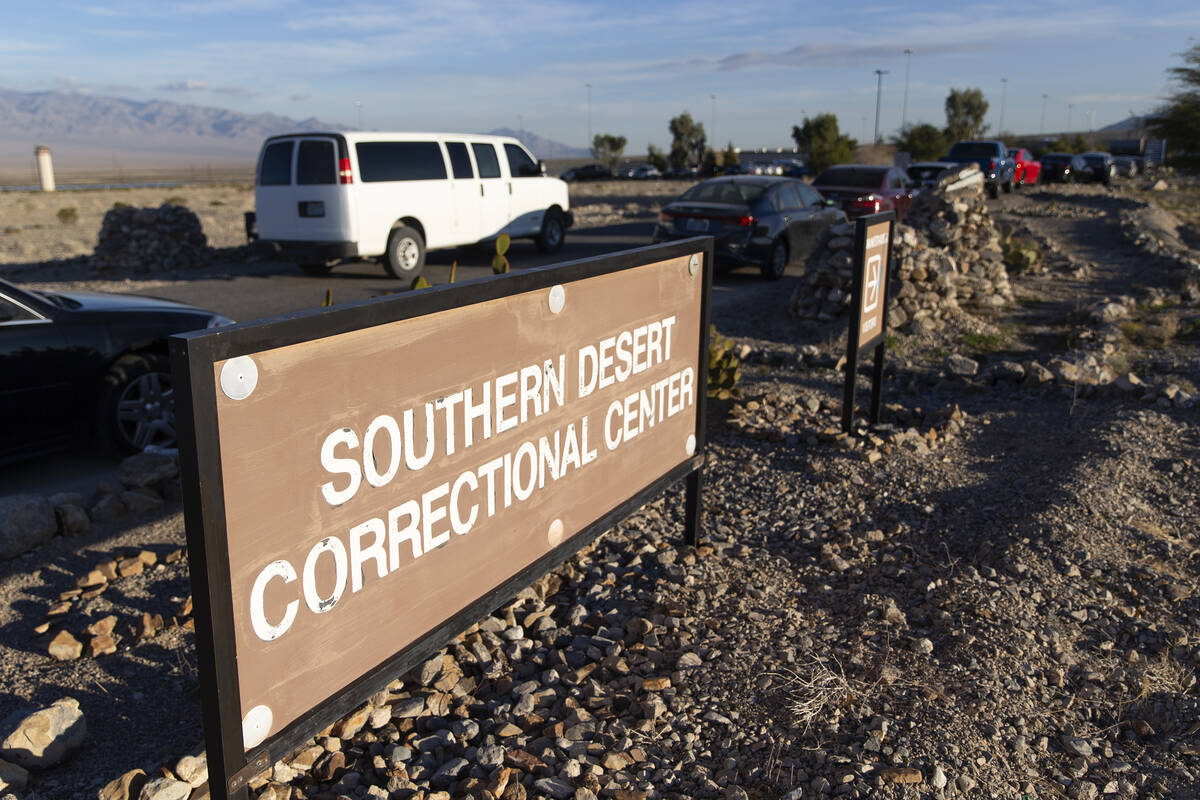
(165, 789)
(46, 737)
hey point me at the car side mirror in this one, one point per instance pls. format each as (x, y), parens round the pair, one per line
(542, 167)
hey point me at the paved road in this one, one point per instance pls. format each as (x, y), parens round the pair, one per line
(255, 291)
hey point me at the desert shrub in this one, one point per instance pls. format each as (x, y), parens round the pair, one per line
(68, 215)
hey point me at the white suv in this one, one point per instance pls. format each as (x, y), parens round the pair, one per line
(322, 197)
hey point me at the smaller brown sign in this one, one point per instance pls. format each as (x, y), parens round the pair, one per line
(872, 269)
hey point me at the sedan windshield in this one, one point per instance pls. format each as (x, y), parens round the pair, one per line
(738, 194)
(857, 177)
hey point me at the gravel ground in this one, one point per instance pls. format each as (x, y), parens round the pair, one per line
(993, 594)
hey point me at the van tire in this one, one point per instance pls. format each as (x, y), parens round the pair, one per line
(405, 256)
(553, 233)
(315, 268)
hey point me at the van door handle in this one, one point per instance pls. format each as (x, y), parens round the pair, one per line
(510, 187)
(481, 190)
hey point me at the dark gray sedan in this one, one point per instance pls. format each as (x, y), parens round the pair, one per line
(762, 221)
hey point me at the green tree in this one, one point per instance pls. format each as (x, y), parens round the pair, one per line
(1068, 144)
(823, 143)
(710, 163)
(730, 156)
(924, 142)
(607, 149)
(1178, 120)
(656, 157)
(687, 141)
(965, 110)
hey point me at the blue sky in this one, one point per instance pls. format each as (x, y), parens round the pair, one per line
(476, 64)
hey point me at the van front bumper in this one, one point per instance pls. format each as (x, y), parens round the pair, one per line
(315, 251)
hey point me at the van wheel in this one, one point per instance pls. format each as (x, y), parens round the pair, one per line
(315, 268)
(551, 239)
(405, 256)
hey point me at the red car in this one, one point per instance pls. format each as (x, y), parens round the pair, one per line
(1029, 169)
(860, 190)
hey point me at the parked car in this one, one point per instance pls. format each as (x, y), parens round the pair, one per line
(322, 197)
(644, 172)
(1027, 169)
(1126, 166)
(792, 167)
(992, 157)
(588, 172)
(738, 169)
(926, 173)
(1063, 168)
(681, 172)
(860, 190)
(1100, 167)
(73, 362)
(756, 220)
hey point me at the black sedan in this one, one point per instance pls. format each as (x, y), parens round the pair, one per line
(588, 172)
(1064, 168)
(756, 220)
(81, 362)
(1100, 167)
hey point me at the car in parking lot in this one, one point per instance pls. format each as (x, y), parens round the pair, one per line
(861, 189)
(681, 172)
(756, 220)
(999, 171)
(1063, 168)
(1100, 167)
(1126, 166)
(643, 172)
(926, 173)
(76, 363)
(588, 172)
(1027, 169)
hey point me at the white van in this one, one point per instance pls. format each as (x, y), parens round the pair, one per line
(322, 197)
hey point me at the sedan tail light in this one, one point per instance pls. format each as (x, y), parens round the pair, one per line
(992, 164)
(743, 222)
(869, 204)
(665, 217)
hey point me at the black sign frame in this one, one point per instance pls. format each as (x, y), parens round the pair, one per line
(853, 347)
(230, 767)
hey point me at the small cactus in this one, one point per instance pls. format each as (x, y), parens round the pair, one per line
(419, 282)
(499, 263)
(328, 301)
(724, 366)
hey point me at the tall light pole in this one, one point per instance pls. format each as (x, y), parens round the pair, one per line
(878, 97)
(1003, 97)
(904, 112)
(712, 121)
(589, 139)
(1042, 124)
(1070, 108)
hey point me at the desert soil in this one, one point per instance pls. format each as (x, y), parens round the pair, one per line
(995, 593)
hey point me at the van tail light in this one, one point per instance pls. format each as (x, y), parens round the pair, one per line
(665, 217)
(345, 175)
(869, 204)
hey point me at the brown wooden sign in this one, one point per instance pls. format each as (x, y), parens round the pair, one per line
(364, 482)
(868, 306)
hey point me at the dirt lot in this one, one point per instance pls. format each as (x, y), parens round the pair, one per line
(994, 594)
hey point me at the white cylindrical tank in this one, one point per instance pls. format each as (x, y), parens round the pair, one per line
(44, 168)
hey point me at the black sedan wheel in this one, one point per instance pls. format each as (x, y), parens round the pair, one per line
(137, 404)
(777, 261)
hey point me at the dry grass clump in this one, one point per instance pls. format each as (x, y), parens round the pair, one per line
(814, 690)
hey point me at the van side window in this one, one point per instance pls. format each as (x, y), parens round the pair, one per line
(400, 161)
(314, 163)
(485, 159)
(276, 168)
(460, 162)
(520, 165)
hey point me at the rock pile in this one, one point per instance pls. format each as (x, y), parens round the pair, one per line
(141, 240)
(1156, 231)
(948, 252)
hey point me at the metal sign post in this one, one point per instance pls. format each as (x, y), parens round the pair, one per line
(868, 307)
(363, 482)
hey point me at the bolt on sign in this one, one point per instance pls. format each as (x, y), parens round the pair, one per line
(868, 306)
(363, 482)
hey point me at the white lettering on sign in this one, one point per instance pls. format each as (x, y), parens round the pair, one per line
(407, 440)
(871, 283)
(878, 240)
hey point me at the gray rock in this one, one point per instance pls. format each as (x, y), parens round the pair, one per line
(193, 770)
(141, 500)
(960, 365)
(165, 789)
(1076, 746)
(689, 660)
(13, 777)
(408, 708)
(557, 788)
(147, 469)
(490, 756)
(72, 519)
(450, 771)
(46, 737)
(26, 521)
(108, 508)
(938, 780)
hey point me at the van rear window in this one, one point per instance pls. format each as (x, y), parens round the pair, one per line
(400, 161)
(314, 164)
(276, 168)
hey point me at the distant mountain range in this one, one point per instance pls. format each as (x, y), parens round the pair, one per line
(83, 127)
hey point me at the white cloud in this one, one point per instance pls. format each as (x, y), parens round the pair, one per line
(184, 86)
